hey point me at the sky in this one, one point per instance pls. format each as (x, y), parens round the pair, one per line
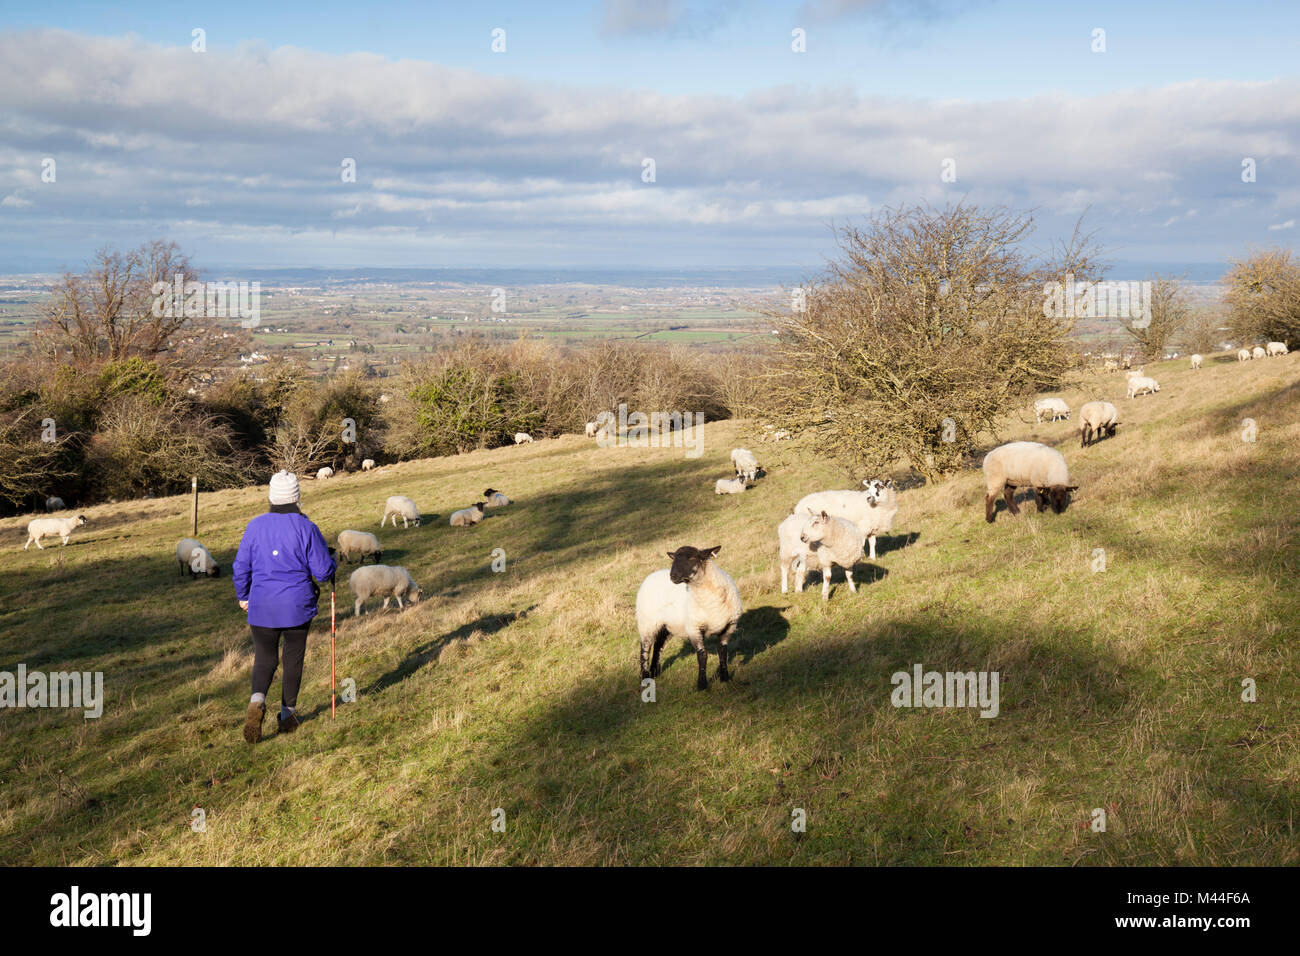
(119, 124)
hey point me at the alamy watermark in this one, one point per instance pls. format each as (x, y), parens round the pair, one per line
(922, 688)
(653, 430)
(82, 689)
(213, 300)
(1098, 300)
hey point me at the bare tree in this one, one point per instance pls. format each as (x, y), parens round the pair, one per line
(1263, 296)
(1170, 311)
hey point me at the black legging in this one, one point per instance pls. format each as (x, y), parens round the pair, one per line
(266, 647)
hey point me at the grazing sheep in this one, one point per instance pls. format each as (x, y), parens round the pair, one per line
(367, 464)
(744, 462)
(1258, 352)
(1056, 407)
(495, 499)
(360, 543)
(53, 503)
(326, 472)
(1026, 463)
(521, 437)
(1110, 366)
(1097, 419)
(403, 507)
(1243, 355)
(730, 486)
(694, 599)
(377, 579)
(1196, 361)
(39, 528)
(467, 516)
(1140, 385)
(873, 510)
(193, 556)
(590, 430)
(1126, 361)
(1275, 348)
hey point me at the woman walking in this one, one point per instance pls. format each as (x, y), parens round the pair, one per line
(279, 555)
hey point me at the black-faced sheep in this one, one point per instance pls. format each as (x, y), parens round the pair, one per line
(1026, 464)
(694, 599)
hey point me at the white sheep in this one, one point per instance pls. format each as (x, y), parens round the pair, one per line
(326, 472)
(1196, 360)
(1110, 366)
(466, 517)
(1028, 464)
(826, 542)
(495, 499)
(376, 579)
(730, 486)
(1275, 348)
(1055, 407)
(367, 464)
(1243, 355)
(1141, 385)
(745, 463)
(54, 503)
(873, 509)
(1258, 352)
(360, 543)
(400, 506)
(1138, 372)
(39, 528)
(522, 437)
(694, 599)
(1097, 419)
(590, 430)
(193, 556)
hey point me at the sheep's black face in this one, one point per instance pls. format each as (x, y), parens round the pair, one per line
(214, 572)
(81, 519)
(1059, 496)
(489, 493)
(688, 562)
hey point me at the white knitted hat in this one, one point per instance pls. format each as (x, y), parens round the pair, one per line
(284, 488)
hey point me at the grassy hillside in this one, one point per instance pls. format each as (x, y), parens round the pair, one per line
(519, 690)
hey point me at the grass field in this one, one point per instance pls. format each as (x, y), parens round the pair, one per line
(518, 690)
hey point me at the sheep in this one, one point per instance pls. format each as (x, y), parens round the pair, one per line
(1110, 366)
(195, 558)
(694, 599)
(495, 499)
(1055, 406)
(1141, 385)
(1275, 348)
(377, 579)
(326, 472)
(54, 503)
(39, 528)
(368, 464)
(522, 437)
(1138, 372)
(743, 460)
(1096, 419)
(360, 543)
(1258, 352)
(830, 542)
(730, 486)
(872, 510)
(1196, 361)
(403, 507)
(590, 430)
(1030, 463)
(467, 516)
(1243, 355)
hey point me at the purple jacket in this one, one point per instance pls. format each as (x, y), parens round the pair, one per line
(278, 556)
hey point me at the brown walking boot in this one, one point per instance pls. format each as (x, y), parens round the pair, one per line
(253, 722)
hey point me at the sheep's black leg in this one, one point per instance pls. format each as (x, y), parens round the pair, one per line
(1010, 495)
(703, 657)
(723, 673)
(656, 669)
(645, 672)
(1041, 499)
(990, 507)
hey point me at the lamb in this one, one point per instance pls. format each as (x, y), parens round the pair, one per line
(467, 516)
(1030, 463)
(326, 472)
(368, 464)
(730, 486)
(1096, 419)
(823, 543)
(1135, 373)
(377, 579)
(53, 503)
(1196, 361)
(744, 462)
(39, 528)
(1110, 366)
(872, 510)
(694, 599)
(495, 499)
(403, 507)
(193, 556)
(1275, 348)
(360, 543)
(1055, 406)
(1243, 355)
(1126, 361)
(521, 437)
(590, 430)
(1258, 352)
(1141, 385)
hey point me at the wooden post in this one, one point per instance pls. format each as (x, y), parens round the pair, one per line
(194, 507)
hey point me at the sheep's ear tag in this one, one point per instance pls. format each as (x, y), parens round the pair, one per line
(673, 555)
(714, 550)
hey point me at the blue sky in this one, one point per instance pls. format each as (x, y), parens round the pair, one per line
(534, 156)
